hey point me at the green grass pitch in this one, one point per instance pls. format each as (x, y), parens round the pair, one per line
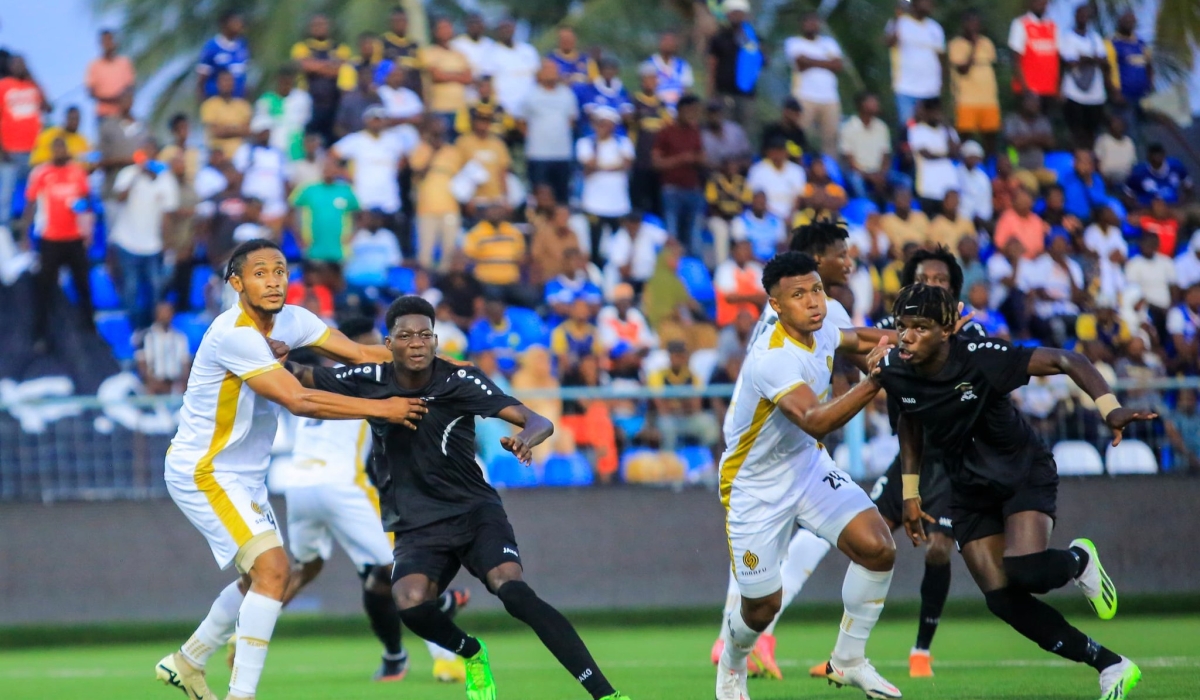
(974, 658)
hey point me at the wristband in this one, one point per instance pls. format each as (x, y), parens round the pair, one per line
(910, 486)
(1107, 404)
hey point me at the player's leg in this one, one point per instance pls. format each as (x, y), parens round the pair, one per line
(805, 552)
(935, 588)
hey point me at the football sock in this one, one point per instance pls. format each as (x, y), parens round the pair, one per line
(733, 600)
(439, 654)
(805, 551)
(1046, 627)
(448, 604)
(385, 620)
(255, 624)
(863, 593)
(216, 629)
(739, 638)
(428, 622)
(1043, 572)
(934, 589)
(556, 634)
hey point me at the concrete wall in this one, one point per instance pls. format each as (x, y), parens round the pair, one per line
(595, 548)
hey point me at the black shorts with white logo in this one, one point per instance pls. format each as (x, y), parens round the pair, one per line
(980, 510)
(888, 495)
(480, 541)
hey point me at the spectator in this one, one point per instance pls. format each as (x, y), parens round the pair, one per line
(972, 268)
(1083, 188)
(1007, 273)
(681, 418)
(950, 226)
(496, 332)
(1056, 284)
(374, 250)
(1115, 152)
(606, 158)
(54, 191)
(573, 284)
(461, 291)
(991, 321)
(1183, 325)
(1182, 425)
(452, 342)
(370, 55)
(513, 66)
(573, 67)
(665, 298)
(1159, 221)
(649, 117)
(264, 172)
(376, 155)
(120, 137)
(623, 323)
(1029, 132)
(324, 211)
(1141, 367)
(77, 143)
(448, 73)
(178, 233)
(1104, 240)
(403, 107)
(1159, 176)
(738, 282)
(1133, 71)
(149, 195)
(673, 74)
(226, 52)
(590, 420)
(400, 49)
(576, 337)
(1085, 75)
(354, 103)
(780, 179)
(434, 164)
(21, 105)
(975, 200)
(251, 226)
(226, 117)
(475, 45)
(904, 224)
(866, 148)
(822, 198)
(1154, 275)
(789, 128)
(678, 155)
(310, 166)
(920, 44)
(108, 76)
(735, 61)
(489, 153)
(290, 109)
(733, 340)
(973, 80)
(1006, 183)
(548, 115)
(179, 146)
(605, 91)
(722, 138)
(163, 358)
(321, 59)
(816, 60)
(934, 145)
(1104, 328)
(483, 101)
(726, 194)
(496, 249)
(1034, 39)
(1187, 264)
(765, 231)
(224, 211)
(1021, 223)
(633, 251)
(553, 237)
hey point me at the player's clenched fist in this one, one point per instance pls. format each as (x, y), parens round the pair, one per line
(518, 447)
(406, 412)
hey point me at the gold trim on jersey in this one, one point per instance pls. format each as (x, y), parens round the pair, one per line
(731, 466)
(779, 335)
(206, 481)
(261, 370)
(360, 477)
(324, 336)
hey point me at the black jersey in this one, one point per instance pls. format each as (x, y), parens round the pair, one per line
(428, 474)
(966, 413)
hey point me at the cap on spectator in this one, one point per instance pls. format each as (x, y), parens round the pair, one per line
(374, 112)
(791, 104)
(775, 142)
(1106, 301)
(971, 148)
(606, 113)
(676, 346)
(736, 6)
(261, 122)
(646, 68)
(624, 291)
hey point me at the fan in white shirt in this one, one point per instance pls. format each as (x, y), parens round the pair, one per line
(633, 252)
(919, 42)
(1152, 272)
(513, 65)
(779, 178)
(934, 144)
(263, 168)
(1187, 263)
(475, 45)
(974, 185)
(377, 155)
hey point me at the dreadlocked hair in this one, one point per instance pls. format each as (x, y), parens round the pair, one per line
(941, 254)
(816, 237)
(937, 304)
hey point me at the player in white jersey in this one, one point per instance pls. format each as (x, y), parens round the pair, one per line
(217, 464)
(775, 475)
(331, 497)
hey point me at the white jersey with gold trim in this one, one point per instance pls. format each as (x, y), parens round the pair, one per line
(329, 453)
(835, 317)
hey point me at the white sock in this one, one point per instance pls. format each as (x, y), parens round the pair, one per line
(216, 629)
(440, 654)
(255, 624)
(863, 593)
(805, 551)
(739, 640)
(733, 600)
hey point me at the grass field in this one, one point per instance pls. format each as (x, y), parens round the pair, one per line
(974, 658)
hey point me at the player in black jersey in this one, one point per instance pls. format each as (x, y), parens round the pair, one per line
(433, 495)
(953, 396)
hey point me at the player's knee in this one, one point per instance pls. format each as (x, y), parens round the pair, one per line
(378, 579)
(938, 552)
(878, 551)
(516, 596)
(759, 613)
(1027, 572)
(270, 573)
(1000, 603)
(408, 597)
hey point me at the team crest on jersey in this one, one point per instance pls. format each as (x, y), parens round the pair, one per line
(750, 559)
(967, 390)
(255, 507)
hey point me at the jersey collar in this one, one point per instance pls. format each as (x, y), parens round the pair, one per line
(781, 336)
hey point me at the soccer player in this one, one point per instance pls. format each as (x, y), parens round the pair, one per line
(953, 396)
(329, 497)
(216, 466)
(434, 497)
(775, 474)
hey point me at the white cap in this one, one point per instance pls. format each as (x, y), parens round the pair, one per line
(261, 122)
(971, 148)
(735, 5)
(606, 113)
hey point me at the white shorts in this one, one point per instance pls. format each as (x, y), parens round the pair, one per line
(317, 515)
(823, 501)
(228, 508)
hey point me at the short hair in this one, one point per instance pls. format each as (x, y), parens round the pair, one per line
(73, 108)
(932, 103)
(176, 119)
(816, 237)
(227, 15)
(942, 254)
(356, 326)
(238, 260)
(791, 263)
(926, 301)
(1156, 148)
(409, 305)
(862, 97)
(687, 100)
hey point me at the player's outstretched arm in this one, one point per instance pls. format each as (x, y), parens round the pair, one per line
(339, 348)
(1046, 362)
(803, 408)
(536, 429)
(912, 445)
(282, 387)
(863, 340)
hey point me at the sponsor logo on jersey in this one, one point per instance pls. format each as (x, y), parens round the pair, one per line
(967, 390)
(256, 508)
(510, 550)
(908, 400)
(750, 559)
(835, 480)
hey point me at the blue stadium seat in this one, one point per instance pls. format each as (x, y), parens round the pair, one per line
(834, 170)
(201, 274)
(857, 210)
(295, 273)
(402, 280)
(629, 425)
(567, 470)
(697, 279)
(104, 293)
(193, 325)
(291, 249)
(528, 324)
(508, 472)
(697, 459)
(117, 331)
(1061, 162)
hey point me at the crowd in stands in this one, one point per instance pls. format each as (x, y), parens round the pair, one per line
(575, 231)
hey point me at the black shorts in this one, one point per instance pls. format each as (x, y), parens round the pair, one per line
(480, 540)
(935, 496)
(1083, 117)
(979, 510)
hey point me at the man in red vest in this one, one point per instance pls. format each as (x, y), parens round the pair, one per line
(1033, 37)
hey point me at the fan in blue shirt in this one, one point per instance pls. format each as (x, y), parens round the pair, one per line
(227, 51)
(505, 332)
(1159, 176)
(1083, 188)
(604, 91)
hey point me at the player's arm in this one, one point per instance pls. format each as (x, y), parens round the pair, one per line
(337, 347)
(282, 387)
(803, 408)
(912, 445)
(857, 343)
(1045, 362)
(535, 429)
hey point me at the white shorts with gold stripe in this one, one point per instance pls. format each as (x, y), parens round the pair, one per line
(318, 515)
(228, 508)
(823, 501)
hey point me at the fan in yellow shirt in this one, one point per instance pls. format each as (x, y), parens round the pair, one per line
(77, 143)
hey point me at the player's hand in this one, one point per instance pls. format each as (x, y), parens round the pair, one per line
(914, 521)
(1121, 417)
(962, 320)
(517, 446)
(406, 412)
(876, 356)
(279, 349)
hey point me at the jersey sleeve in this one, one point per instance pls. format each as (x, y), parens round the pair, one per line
(309, 329)
(245, 353)
(473, 393)
(776, 375)
(1004, 366)
(349, 380)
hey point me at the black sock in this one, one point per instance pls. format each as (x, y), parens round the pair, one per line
(1047, 628)
(1083, 556)
(427, 621)
(385, 620)
(448, 604)
(556, 634)
(1042, 572)
(934, 589)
